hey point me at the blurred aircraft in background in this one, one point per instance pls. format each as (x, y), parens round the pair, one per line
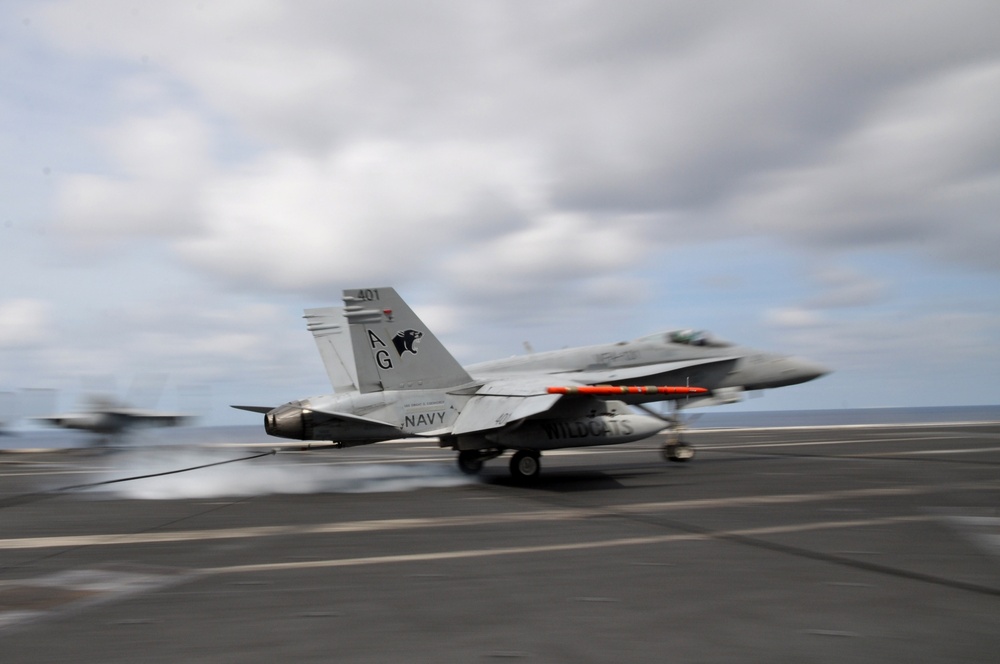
(111, 418)
(106, 417)
(394, 379)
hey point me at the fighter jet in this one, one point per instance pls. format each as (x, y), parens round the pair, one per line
(394, 379)
(110, 419)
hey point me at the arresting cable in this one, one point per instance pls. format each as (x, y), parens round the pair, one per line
(42, 495)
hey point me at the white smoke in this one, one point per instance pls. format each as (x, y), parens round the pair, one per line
(288, 474)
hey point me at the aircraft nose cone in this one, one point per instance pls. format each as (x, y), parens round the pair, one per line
(804, 369)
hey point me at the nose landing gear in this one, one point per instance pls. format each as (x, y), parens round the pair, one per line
(674, 449)
(678, 452)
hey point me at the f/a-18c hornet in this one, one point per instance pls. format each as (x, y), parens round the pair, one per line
(112, 420)
(393, 379)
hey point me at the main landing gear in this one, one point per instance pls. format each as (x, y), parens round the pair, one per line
(471, 462)
(525, 465)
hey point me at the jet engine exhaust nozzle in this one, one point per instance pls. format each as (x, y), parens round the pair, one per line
(288, 421)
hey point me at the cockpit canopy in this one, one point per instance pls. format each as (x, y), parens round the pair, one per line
(689, 337)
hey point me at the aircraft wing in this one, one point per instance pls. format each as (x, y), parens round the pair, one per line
(143, 414)
(635, 374)
(505, 401)
(501, 402)
(149, 418)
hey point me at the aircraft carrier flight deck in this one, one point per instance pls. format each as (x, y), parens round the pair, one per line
(826, 544)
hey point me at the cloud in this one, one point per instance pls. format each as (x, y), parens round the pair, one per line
(922, 344)
(24, 322)
(162, 161)
(381, 211)
(845, 287)
(919, 172)
(488, 120)
(511, 164)
(793, 317)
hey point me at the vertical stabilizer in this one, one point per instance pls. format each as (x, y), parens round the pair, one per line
(393, 349)
(329, 328)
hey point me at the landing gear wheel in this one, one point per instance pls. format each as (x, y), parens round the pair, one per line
(470, 462)
(525, 465)
(678, 452)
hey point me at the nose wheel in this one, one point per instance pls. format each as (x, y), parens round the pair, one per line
(678, 452)
(674, 449)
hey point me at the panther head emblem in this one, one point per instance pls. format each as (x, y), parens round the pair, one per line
(404, 341)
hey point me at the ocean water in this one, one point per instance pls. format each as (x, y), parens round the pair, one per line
(697, 419)
(714, 419)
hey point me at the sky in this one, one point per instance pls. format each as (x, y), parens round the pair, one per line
(178, 181)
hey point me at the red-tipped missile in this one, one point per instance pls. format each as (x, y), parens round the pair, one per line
(607, 390)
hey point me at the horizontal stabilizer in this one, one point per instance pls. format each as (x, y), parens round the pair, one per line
(255, 409)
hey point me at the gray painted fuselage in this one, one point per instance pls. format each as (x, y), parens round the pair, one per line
(658, 360)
